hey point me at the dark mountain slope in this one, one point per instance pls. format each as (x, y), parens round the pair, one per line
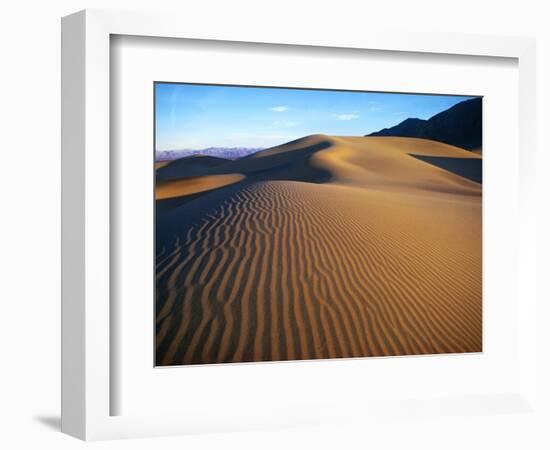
(460, 125)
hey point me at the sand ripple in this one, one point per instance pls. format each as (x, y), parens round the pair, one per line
(283, 270)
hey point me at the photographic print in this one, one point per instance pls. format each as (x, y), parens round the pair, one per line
(299, 224)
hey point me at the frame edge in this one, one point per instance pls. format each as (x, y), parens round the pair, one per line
(73, 83)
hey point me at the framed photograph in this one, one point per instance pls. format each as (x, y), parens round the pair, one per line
(266, 229)
(297, 245)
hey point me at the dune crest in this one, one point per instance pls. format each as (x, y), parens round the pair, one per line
(386, 163)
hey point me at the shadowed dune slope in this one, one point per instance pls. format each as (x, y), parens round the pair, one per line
(289, 162)
(383, 257)
(190, 166)
(160, 164)
(470, 168)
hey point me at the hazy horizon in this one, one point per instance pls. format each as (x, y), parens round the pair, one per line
(196, 117)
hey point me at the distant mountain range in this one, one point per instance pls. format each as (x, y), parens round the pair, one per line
(460, 125)
(218, 152)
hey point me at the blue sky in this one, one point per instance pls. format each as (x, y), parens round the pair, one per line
(198, 116)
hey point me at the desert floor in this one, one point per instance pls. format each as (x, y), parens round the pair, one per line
(325, 247)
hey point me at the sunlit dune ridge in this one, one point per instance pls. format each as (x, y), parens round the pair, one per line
(193, 185)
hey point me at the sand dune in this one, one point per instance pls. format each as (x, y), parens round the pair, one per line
(188, 167)
(193, 185)
(330, 247)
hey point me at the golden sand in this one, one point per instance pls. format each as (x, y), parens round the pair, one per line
(383, 259)
(193, 185)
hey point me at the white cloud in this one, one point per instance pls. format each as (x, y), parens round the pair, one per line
(375, 108)
(279, 108)
(346, 116)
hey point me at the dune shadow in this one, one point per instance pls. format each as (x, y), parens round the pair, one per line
(190, 166)
(263, 166)
(285, 166)
(470, 168)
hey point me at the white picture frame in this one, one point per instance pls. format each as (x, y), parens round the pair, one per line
(86, 286)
